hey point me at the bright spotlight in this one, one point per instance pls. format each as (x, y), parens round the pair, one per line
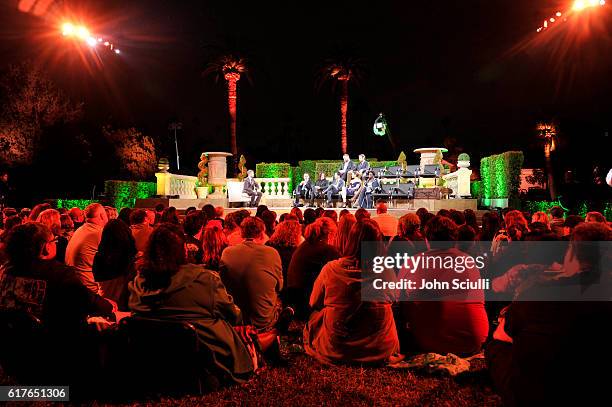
(67, 29)
(580, 5)
(82, 32)
(91, 41)
(117, 51)
(558, 14)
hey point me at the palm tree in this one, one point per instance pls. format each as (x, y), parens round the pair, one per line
(341, 70)
(548, 132)
(229, 67)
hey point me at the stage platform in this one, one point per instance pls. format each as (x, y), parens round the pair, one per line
(398, 207)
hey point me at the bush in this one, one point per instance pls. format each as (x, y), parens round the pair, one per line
(501, 176)
(123, 194)
(463, 157)
(273, 170)
(72, 203)
(476, 189)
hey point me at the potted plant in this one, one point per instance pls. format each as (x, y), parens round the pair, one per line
(201, 188)
(463, 161)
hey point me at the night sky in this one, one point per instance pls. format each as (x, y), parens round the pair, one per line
(473, 70)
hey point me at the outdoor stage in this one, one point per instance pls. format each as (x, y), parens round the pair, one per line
(397, 207)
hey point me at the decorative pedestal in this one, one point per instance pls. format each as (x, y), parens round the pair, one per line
(428, 155)
(217, 172)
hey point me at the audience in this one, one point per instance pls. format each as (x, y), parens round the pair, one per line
(538, 356)
(113, 265)
(51, 219)
(286, 238)
(230, 276)
(386, 222)
(252, 273)
(343, 328)
(307, 261)
(169, 288)
(83, 245)
(440, 320)
(141, 228)
(214, 243)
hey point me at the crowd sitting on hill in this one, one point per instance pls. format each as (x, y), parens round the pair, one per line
(78, 269)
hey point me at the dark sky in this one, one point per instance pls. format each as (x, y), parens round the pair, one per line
(474, 70)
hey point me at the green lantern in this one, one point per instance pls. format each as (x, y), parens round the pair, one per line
(380, 125)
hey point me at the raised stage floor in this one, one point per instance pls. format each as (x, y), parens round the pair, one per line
(399, 208)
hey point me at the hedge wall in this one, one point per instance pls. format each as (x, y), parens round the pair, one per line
(581, 208)
(273, 170)
(476, 189)
(123, 194)
(501, 174)
(72, 203)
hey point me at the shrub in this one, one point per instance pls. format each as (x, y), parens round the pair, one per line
(463, 157)
(500, 175)
(123, 194)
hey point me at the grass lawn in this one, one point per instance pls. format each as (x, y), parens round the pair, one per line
(307, 382)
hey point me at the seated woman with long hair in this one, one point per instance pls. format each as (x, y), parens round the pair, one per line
(343, 328)
(214, 241)
(286, 238)
(168, 288)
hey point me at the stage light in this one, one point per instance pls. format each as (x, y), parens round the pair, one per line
(106, 43)
(82, 32)
(558, 14)
(67, 29)
(91, 41)
(552, 20)
(117, 51)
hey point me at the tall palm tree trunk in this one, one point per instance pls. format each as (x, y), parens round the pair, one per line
(343, 111)
(549, 173)
(232, 99)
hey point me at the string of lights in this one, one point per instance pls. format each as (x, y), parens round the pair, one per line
(577, 6)
(81, 32)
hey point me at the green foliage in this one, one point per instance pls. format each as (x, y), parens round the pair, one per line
(123, 194)
(500, 175)
(538, 206)
(580, 208)
(477, 189)
(381, 164)
(72, 203)
(273, 170)
(463, 157)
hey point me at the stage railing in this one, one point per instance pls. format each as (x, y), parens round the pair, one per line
(275, 188)
(459, 182)
(176, 184)
(183, 186)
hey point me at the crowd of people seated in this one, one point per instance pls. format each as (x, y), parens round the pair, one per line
(79, 272)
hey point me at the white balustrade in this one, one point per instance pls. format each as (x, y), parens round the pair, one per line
(459, 182)
(275, 188)
(176, 184)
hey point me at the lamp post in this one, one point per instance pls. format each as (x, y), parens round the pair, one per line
(174, 126)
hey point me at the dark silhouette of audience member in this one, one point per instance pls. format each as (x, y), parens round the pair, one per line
(168, 288)
(252, 273)
(113, 265)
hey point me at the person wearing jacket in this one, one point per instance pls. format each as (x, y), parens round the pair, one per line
(169, 288)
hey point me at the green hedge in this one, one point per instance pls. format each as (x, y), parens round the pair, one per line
(476, 189)
(72, 203)
(273, 170)
(501, 175)
(123, 194)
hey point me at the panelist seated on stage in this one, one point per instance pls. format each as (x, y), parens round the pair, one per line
(370, 186)
(363, 166)
(320, 186)
(252, 189)
(352, 190)
(304, 190)
(334, 188)
(347, 166)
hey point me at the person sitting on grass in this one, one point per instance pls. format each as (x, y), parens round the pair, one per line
(253, 275)
(444, 320)
(344, 328)
(552, 341)
(168, 288)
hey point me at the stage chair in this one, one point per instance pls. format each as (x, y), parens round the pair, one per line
(235, 194)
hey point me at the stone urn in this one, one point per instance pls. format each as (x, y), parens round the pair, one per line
(217, 172)
(201, 192)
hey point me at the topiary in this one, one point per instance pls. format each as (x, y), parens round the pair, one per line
(463, 157)
(242, 170)
(203, 174)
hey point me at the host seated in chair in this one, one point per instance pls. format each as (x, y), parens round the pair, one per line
(252, 189)
(304, 190)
